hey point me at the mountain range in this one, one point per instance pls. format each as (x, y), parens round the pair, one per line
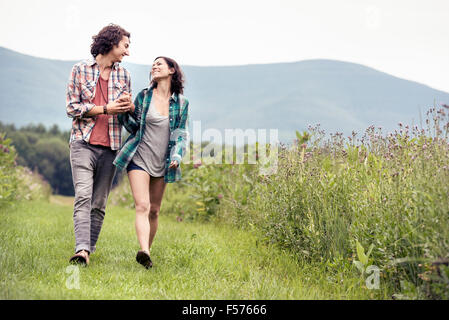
(340, 96)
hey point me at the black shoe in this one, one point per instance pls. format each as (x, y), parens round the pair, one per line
(81, 257)
(144, 259)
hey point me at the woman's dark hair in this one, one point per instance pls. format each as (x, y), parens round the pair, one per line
(177, 79)
(107, 38)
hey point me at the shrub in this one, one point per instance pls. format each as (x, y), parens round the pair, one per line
(16, 182)
(31, 185)
(8, 177)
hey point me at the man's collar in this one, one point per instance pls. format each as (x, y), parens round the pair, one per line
(92, 61)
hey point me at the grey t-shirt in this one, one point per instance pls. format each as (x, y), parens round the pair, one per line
(150, 154)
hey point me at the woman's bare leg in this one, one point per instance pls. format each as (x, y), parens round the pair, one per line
(157, 187)
(139, 181)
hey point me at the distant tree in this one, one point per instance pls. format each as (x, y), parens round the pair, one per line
(54, 130)
(7, 127)
(39, 128)
(45, 151)
(54, 164)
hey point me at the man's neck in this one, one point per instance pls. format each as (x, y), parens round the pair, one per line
(104, 62)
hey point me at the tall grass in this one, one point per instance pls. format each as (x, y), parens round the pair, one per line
(330, 195)
(387, 191)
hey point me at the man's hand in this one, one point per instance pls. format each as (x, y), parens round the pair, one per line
(116, 107)
(121, 105)
(127, 97)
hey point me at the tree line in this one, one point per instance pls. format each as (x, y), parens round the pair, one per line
(43, 150)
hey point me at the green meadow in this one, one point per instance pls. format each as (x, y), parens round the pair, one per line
(359, 217)
(192, 260)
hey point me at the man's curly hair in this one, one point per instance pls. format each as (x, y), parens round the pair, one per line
(107, 38)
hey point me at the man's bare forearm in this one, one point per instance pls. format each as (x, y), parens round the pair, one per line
(96, 110)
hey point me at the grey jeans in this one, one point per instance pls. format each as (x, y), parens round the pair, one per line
(92, 173)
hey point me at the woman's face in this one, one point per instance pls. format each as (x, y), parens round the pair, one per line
(160, 69)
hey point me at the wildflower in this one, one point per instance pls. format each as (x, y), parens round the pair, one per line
(197, 164)
(220, 196)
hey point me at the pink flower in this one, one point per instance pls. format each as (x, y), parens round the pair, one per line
(197, 164)
(220, 196)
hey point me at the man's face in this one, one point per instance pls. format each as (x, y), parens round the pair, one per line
(121, 50)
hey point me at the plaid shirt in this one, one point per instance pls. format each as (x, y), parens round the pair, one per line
(135, 124)
(80, 93)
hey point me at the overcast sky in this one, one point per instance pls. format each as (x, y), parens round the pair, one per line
(405, 38)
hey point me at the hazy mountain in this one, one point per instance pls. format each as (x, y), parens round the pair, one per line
(340, 96)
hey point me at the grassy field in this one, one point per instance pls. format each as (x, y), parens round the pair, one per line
(192, 260)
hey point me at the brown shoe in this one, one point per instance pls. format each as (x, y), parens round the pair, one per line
(81, 257)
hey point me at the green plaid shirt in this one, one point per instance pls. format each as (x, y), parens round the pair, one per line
(134, 122)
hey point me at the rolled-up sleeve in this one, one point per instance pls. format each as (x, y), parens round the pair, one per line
(181, 135)
(75, 107)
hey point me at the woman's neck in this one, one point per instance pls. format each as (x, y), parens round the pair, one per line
(163, 88)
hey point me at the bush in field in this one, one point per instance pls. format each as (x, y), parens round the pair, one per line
(8, 178)
(201, 193)
(212, 187)
(31, 185)
(16, 182)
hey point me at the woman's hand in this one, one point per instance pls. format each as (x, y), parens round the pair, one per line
(127, 97)
(173, 165)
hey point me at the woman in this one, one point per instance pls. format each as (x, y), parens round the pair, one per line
(153, 152)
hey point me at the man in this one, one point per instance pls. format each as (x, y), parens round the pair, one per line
(97, 91)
